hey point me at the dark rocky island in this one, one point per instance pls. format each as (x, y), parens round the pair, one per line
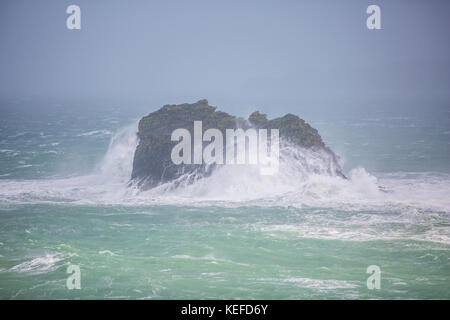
(153, 165)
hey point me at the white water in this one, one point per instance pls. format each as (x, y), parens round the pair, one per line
(305, 178)
(38, 265)
(410, 205)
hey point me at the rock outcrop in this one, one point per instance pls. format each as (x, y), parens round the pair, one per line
(153, 165)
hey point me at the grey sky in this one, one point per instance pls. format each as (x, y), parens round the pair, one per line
(277, 55)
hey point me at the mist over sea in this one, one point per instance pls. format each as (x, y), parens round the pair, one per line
(65, 199)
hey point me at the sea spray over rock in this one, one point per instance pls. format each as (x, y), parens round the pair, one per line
(118, 160)
(153, 163)
(307, 233)
(306, 177)
(244, 182)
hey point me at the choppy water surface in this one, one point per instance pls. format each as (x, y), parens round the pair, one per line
(64, 200)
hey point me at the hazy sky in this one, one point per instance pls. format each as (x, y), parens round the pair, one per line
(277, 55)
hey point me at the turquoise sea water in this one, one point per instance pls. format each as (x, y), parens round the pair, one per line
(64, 200)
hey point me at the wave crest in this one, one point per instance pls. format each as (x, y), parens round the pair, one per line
(305, 177)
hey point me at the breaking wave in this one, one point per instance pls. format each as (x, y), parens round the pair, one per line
(306, 198)
(305, 178)
(42, 264)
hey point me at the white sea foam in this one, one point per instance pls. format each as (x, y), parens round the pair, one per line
(210, 258)
(317, 284)
(38, 265)
(53, 144)
(25, 166)
(306, 179)
(95, 133)
(107, 252)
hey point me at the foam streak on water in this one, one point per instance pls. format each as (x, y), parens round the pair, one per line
(303, 233)
(306, 179)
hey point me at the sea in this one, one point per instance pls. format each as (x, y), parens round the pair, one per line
(66, 199)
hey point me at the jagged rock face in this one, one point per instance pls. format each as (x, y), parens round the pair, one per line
(291, 128)
(152, 163)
